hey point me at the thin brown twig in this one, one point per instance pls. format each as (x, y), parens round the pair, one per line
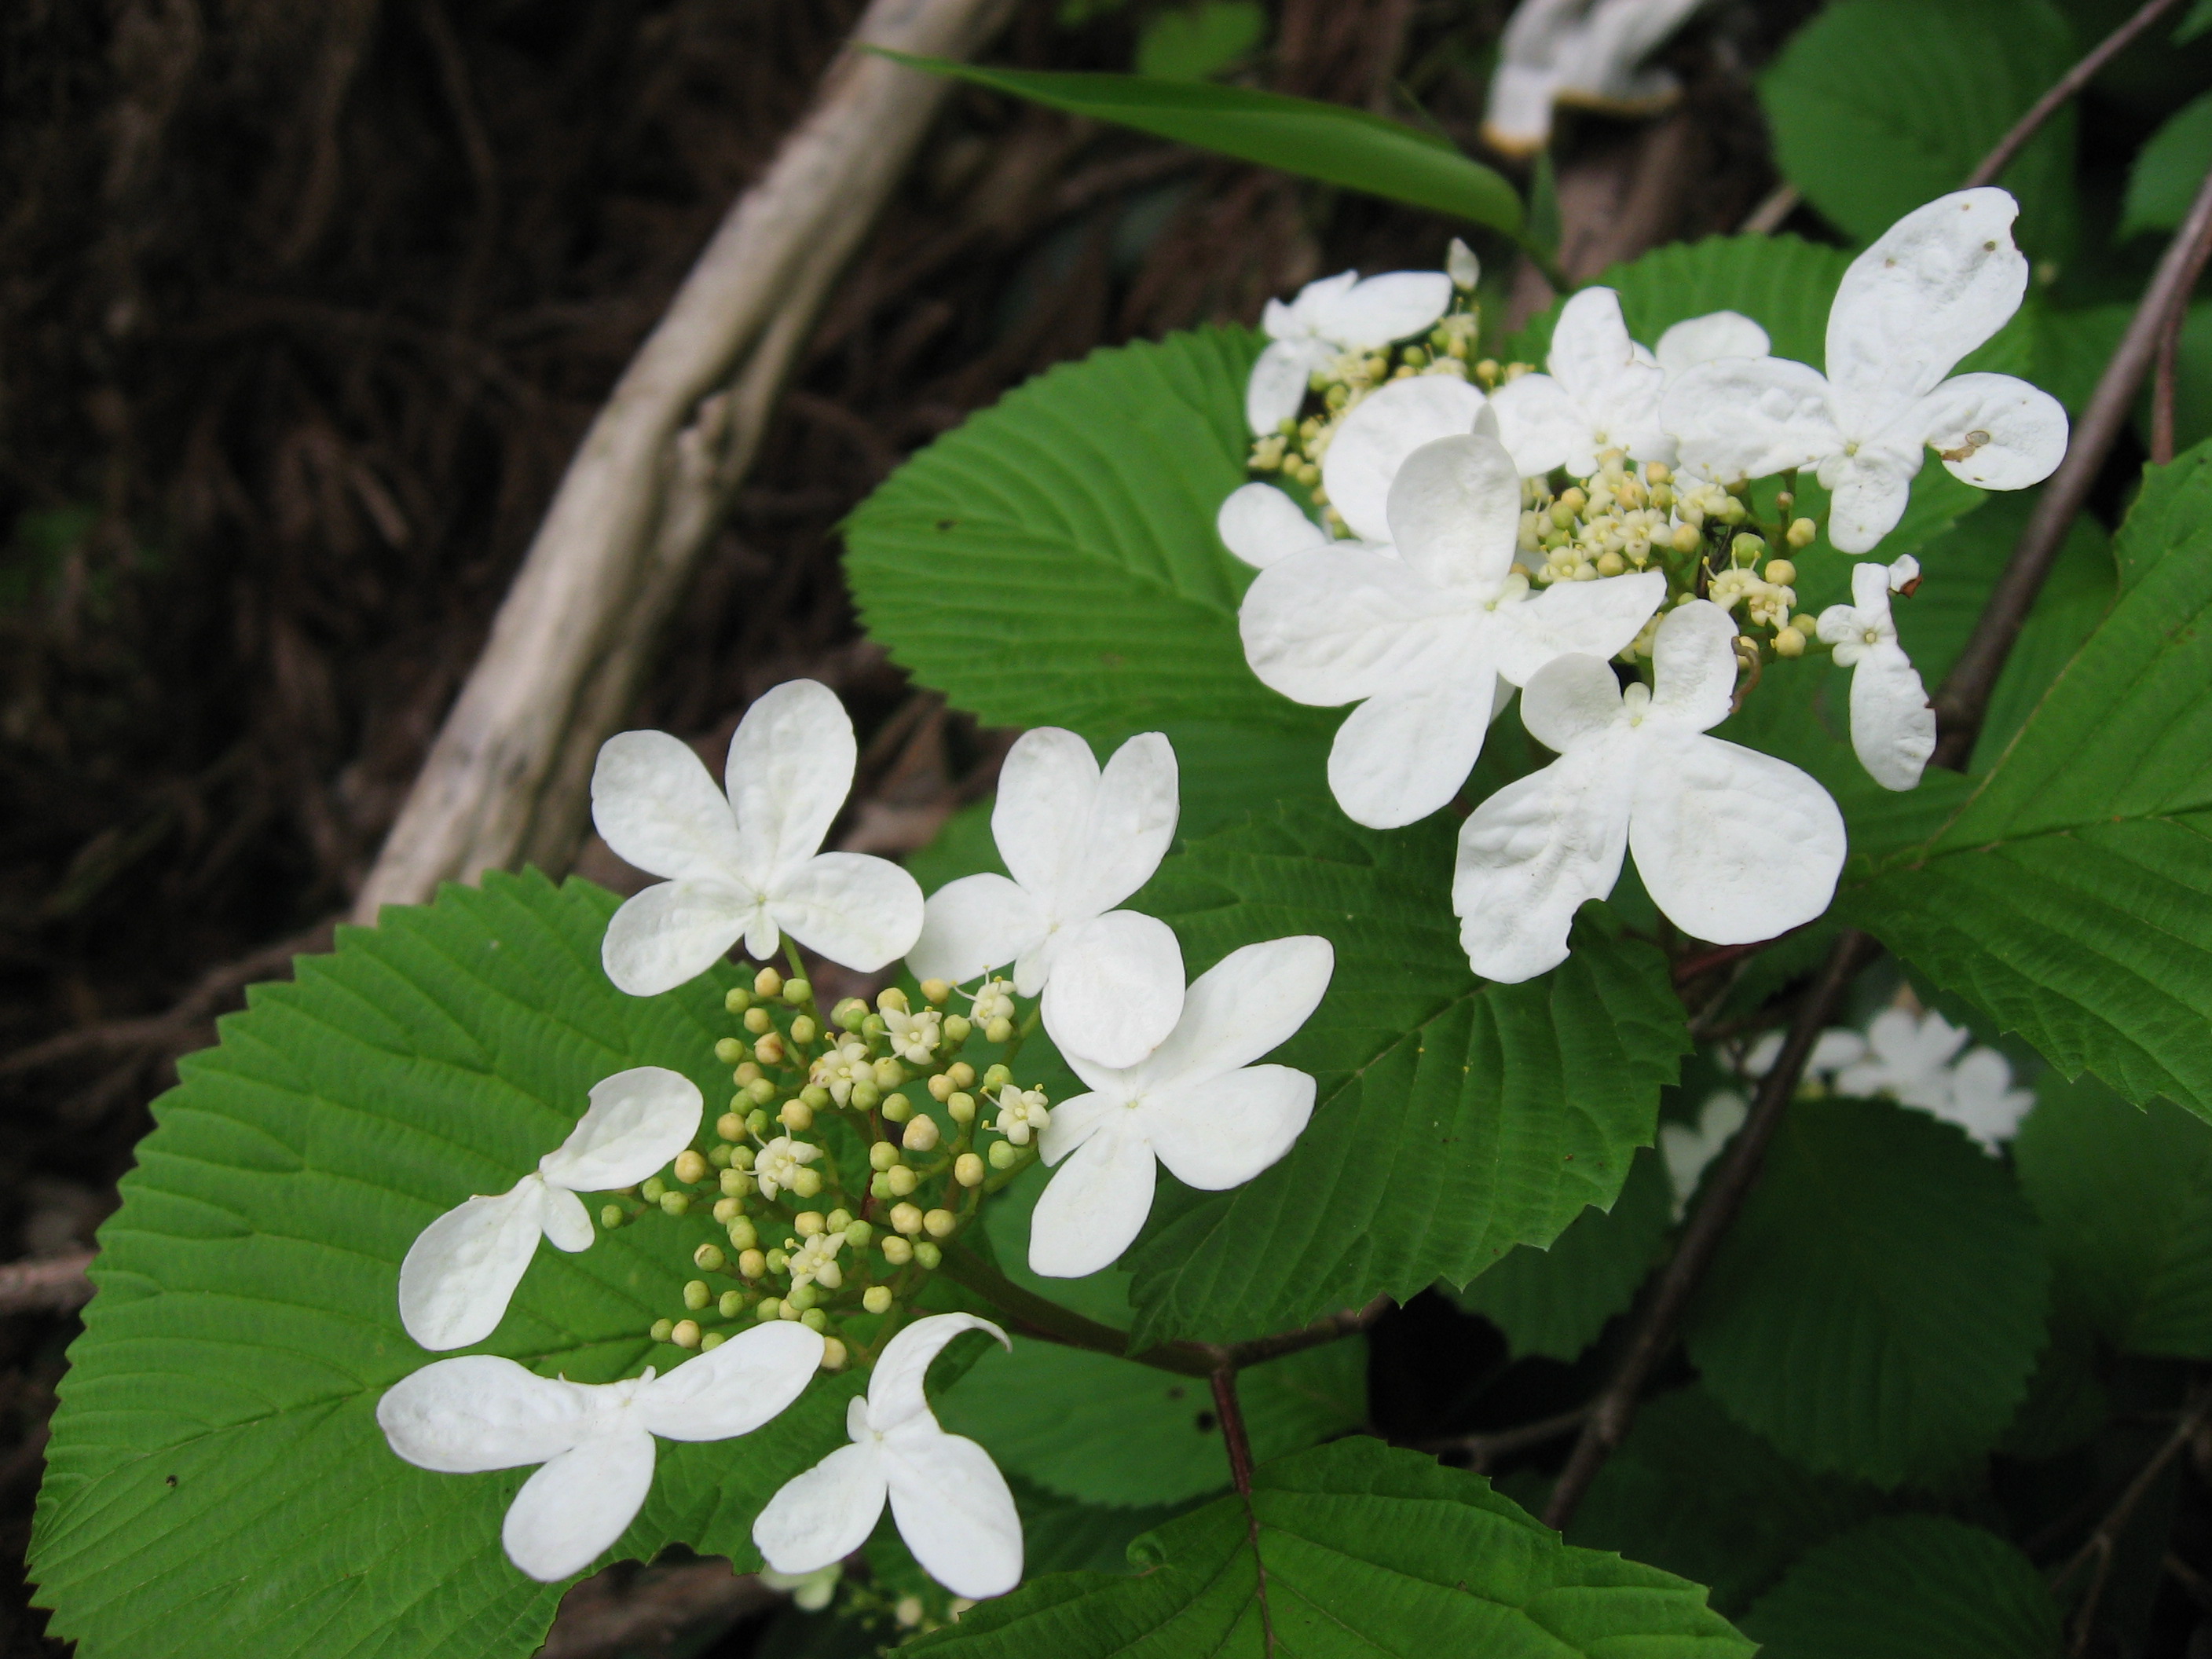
(47, 1285)
(1963, 701)
(1483, 1450)
(2101, 1544)
(2169, 353)
(1240, 1471)
(1614, 1409)
(2067, 85)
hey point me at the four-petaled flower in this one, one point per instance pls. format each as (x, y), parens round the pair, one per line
(780, 1163)
(1328, 318)
(461, 1270)
(815, 1261)
(1022, 1113)
(948, 1498)
(1983, 1101)
(1602, 392)
(744, 864)
(1422, 640)
(1733, 845)
(1939, 283)
(838, 1069)
(1586, 53)
(1078, 841)
(480, 1412)
(1197, 1104)
(912, 1036)
(1893, 723)
(1687, 1151)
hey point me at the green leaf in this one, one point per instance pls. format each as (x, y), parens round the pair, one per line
(1456, 1118)
(2170, 512)
(2073, 347)
(217, 1474)
(1554, 1302)
(1911, 1586)
(1060, 1535)
(1189, 43)
(1368, 1552)
(2125, 1197)
(1108, 1431)
(2168, 171)
(1879, 1304)
(2199, 22)
(1692, 1491)
(2070, 895)
(1878, 106)
(1332, 142)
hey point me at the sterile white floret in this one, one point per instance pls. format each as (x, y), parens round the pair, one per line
(1328, 318)
(1893, 723)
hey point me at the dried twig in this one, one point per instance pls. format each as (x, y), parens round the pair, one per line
(1484, 1451)
(504, 780)
(622, 1612)
(2098, 1547)
(50, 1284)
(2067, 85)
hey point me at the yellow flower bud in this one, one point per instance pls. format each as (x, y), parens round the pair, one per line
(751, 1264)
(940, 1087)
(906, 1219)
(934, 991)
(796, 1115)
(686, 1333)
(690, 1167)
(920, 1134)
(1801, 533)
(1788, 642)
(766, 983)
(833, 1355)
(1781, 572)
(1686, 539)
(897, 1250)
(728, 1210)
(940, 1223)
(967, 1170)
(802, 1030)
(901, 1180)
(877, 1299)
(770, 1049)
(809, 1222)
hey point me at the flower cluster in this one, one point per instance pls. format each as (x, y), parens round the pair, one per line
(1915, 1059)
(1599, 511)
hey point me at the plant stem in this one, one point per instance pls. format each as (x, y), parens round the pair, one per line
(2067, 85)
(2105, 1539)
(2169, 351)
(1963, 701)
(1224, 1379)
(1614, 1409)
(1049, 1320)
(1484, 1449)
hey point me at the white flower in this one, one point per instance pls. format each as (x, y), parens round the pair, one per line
(1688, 1152)
(1021, 1114)
(1603, 393)
(1577, 51)
(1910, 1059)
(1938, 284)
(1373, 440)
(993, 999)
(744, 866)
(1983, 1101)
(1260, 523)
(811, 1592)
(815, 1261)
(1197, 1104)
(479, 1411)
(1329, 318)
(1704, 339)
(1832, 1050)
(1732, 845)
(948, 1498)
(912, 1036)
(1079, 841)
(778, 1165)
(838, 1069)
(1422, 641)
(1893, 723)
(462, 1268)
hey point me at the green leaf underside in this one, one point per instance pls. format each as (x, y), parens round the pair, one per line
(216, 1473)
(1878, 106)
(2126, 1198)
(1878, 1306)
(2069, 893)
(1456, 1118)
(1368, 1552)
(1694, 1491)
(1145, 1437)
(1332, 142)
(1910, 1587)
(2168, 170)
(1555, 1302)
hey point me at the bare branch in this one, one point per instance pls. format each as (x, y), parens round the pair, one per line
(51, 1285)
(2067, 85)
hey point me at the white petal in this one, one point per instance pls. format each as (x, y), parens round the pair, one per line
(1047, 790)
(1248, 1003)
(1517, 118)
(734, 1388)
(639, 1120)
(1116, 988)
(952, 1507)
(1693, 665)
(1893, 728)
(1131, 823)
(565, 1222)
(1571, 701)
(1832, 1050)
(1454, 512)
(895, 1387)
(1870, 496)
(1733, 845)
(1095, 1204)
(1390, 424)
(1260, 524)
(670, 933)
(1992, 431)
(571, 1512)
(462, 1268)
(825, 1513)
(1224, 1132)
(976, 922)
(1933, 286)
(857, 910)
(1595, 619)
(1532, 853)
(790, 768)
(1277, 385)
(1396, 305)
(1075, 1119)
(1304, 314)
(1746, 418)
(1336, 626)
(1701, 339)
(1401, 755)
(1596, 364)
(480, 1412)
(1543, 427)
(657, 807)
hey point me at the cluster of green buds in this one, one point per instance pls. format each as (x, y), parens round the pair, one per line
(856, 1147)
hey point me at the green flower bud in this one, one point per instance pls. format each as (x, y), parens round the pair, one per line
(1000, 1030)
(858, 1234)
(798, 991)
(848, 1014)
(778, 1262)
(866, 1096)
(696, 1295)
(837, 1220)
(757, 1122)
(676, 1203)
(889, 1074)
(961, 1107)
(742, 1234)
(897, 1109)
(741, 1158)
(760, 1092)
(879, 1189)
(807, 1182)
(815, 1319)
(661, 1329)
(1745, 550)
(997, 1077)
(737, 999)
(956, 1029)
(709, 1259)
(803, 1297)
(900, 1179)
(653, 1190)
(758, 1023)
(611, 1217)
(882, 1156)
(769, 1309)
(711, 1340)
(733, 1303)
(718, 1155)
(816, 1096)
(872, 1025)
(877, 1299)
(803, 1030)
(1002, 1155)
(928, 1255)
(729, 1051)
